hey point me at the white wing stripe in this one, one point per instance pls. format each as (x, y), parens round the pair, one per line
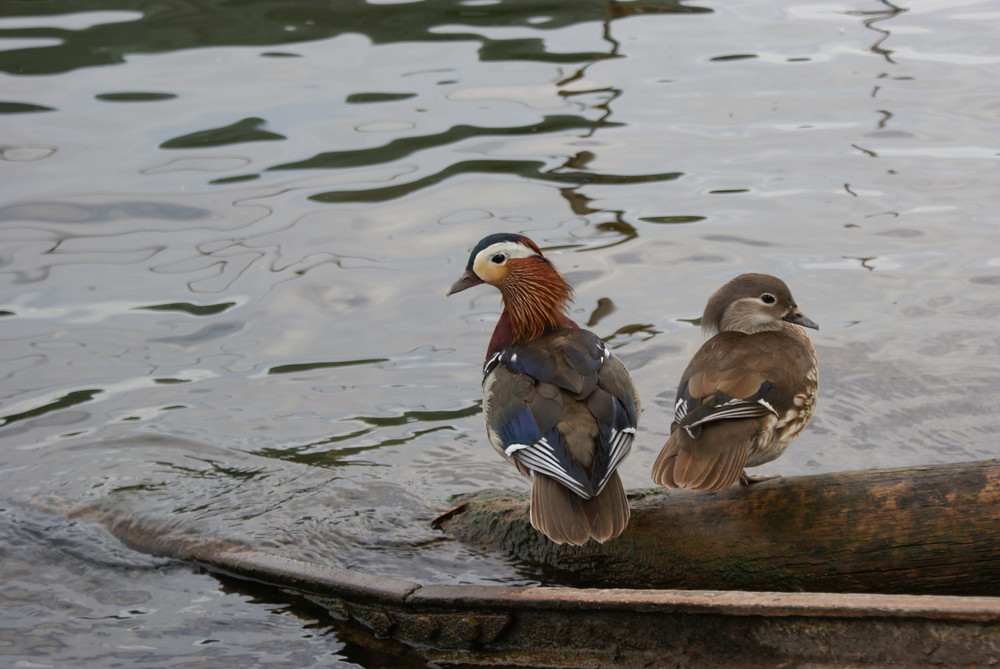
(541, 457)
(513, 448)
(620, 446)
(559, 474)
(680, 409)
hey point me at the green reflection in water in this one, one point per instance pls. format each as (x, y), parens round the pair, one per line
(22, 108)
(247, 130)
(67, 400)
(174, 25)
(528, 169)
(735, 56)
(307, 455)
(134, 97)
(672, 219)
(605, 307)
(213, 470)
(310, 366)
(634, 331)
(187, 308)
(405, 146)
(420, 416)
(363, 98)
(236, 179)
(317, 453)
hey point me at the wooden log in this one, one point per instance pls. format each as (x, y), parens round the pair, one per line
(524, 626)
(917, 530)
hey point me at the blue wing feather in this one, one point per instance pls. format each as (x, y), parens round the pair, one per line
(574, 363)
(521, 429)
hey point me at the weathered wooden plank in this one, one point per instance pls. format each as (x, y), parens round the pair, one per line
(591, 627)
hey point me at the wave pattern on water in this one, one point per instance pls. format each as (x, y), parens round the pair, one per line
(228, 229)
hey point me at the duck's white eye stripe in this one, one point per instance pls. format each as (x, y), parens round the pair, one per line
(505, 250)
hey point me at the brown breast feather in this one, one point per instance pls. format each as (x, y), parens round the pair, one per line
(736, 364)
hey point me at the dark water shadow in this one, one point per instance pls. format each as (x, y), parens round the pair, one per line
(195, 24)
(350, 641)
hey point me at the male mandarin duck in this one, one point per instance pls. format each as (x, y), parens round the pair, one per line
(747, 393)
(558, 404)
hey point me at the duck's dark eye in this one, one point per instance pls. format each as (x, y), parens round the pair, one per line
(768, 298)
(498, 259)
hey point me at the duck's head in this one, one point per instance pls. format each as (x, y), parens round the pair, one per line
(535, 295)
(501, 260)
(752, 303)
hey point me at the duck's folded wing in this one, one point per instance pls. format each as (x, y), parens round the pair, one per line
(691, 413)
(521, 418)
(568, 366)
(615, 405)
(725, 381)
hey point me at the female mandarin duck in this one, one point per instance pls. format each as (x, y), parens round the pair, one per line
(747, 393)
(558, 404)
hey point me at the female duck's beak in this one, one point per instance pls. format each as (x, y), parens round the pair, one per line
(799, 318)
(467, 280)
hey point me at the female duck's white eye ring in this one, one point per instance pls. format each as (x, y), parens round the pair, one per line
(768, 298)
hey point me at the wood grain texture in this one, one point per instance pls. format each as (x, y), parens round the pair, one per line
(918, 530)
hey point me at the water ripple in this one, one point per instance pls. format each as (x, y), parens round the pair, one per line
(247, 130)
(266, 359)
(213, 23)
(311, 366)
(188, 308)
(66, 401)
(406, 146)
(527, 169)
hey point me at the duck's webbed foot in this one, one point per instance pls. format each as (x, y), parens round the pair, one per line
(747, 479)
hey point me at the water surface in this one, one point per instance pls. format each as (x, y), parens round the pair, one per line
(227, 231)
